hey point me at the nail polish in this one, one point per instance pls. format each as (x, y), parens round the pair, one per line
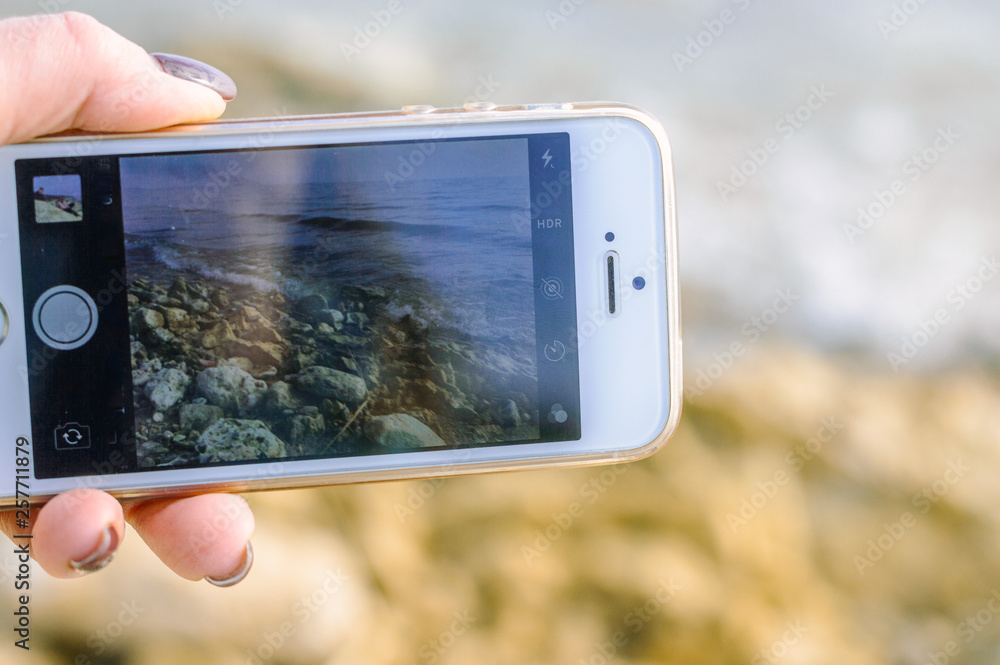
(102, 555)
(197, 72)
(238, 574)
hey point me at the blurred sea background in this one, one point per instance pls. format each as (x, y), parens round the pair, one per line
(822, 502)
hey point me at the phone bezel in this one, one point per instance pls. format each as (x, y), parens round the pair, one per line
(589, 125)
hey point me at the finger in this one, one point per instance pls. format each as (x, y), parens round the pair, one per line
(75, 533)
(203, 536)
(68, 71)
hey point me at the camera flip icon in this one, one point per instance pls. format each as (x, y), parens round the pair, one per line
(72, 436)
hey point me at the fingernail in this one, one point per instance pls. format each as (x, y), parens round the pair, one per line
(198, 72)
(101, 556)
(239, 573)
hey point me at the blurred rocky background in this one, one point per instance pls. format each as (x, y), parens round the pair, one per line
(830, 496)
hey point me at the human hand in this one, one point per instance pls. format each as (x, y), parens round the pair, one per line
(67, 71)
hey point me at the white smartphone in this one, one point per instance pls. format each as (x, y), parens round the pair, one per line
(289, 302)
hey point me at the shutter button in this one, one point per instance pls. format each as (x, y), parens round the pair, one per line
(65, 317)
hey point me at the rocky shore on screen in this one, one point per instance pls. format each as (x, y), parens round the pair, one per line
(230, 373)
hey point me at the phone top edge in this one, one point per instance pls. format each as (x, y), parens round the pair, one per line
(475, 112)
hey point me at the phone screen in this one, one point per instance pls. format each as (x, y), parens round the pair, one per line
(228, 307)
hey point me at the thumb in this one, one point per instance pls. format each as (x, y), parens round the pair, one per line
(68, 71)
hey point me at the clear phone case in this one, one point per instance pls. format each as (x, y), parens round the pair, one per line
(467, 116)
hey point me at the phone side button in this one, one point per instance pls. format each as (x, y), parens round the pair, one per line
(563, 106)
(4, 322)
(479, 106)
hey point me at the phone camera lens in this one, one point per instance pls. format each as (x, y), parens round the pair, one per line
(638, 283)
(609, 236)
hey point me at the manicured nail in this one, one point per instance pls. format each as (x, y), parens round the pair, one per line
(101, 556)
(239, 573)
(198, 72)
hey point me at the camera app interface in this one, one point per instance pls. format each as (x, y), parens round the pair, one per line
(297, 303)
